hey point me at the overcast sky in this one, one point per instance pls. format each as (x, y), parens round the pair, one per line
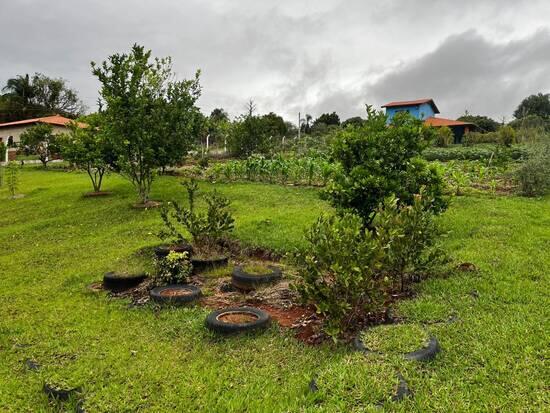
(292, 55)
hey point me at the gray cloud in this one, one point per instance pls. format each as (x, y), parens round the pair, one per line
(308, 56)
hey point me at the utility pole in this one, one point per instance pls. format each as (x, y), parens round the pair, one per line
(299, 125)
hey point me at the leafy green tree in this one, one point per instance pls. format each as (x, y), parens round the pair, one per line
(379, 161)
(248, 136)
(274, 125)
(328, 119)
(218, 126)
(354, 121)
(38, 96)
(538, 104)
(484, 123)
(88, 149)
(40, 140)
(149, 118)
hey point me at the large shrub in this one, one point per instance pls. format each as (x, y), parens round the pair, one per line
(40, 140)
(249, 135)
(533, 175)
(338, 270)
(444, 136)
(347, 272)
(379, 161)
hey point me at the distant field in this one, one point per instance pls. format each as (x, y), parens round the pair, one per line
(54, 243)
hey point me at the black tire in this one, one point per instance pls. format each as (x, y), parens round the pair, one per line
(193, 293)
(246, 281)
(201, 265)
(402, 389)
(163, 250)
(426, 353)
(214, 323)
(120, 282)
(59, 394)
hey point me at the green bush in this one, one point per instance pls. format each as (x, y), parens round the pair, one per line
(175, 268)
(474, 153)
(533, 175)
(444, 137)
(337, 271)
(378, 161)
(474, 138)
(2, 152)
(347, 271)
(408, 236)
(507, 135)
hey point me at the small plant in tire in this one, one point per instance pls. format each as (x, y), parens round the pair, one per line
(175, 268)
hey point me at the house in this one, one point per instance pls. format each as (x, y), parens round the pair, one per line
(10, 132)
(426, 110)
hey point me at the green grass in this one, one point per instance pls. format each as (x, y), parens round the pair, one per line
(54, 243)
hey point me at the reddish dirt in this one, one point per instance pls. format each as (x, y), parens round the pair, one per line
(175, 292)
(237, 318)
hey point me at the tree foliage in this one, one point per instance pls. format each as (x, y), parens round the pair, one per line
(380, 161)
(40, 140)
(88, 149)
(149, 118)
(538, 105)
(484, 123)
(328, 119)
(27, 97)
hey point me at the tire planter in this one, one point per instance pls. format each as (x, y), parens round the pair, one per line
(175, 294)
(402, 389)
(163, 250)
(246, 281)
(59, 394)
(233, 320)
(201, 265)
(426, 353)
(120, 282)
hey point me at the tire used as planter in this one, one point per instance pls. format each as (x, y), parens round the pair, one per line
(426, 353)
(237, 319)
(120, 282)
(163, 250)
(201, 265)
(246, 281)
(175, 294)
(56, 393)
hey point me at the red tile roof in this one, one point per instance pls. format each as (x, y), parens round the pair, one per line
(52, 120)
(445, 122)
(412, 103)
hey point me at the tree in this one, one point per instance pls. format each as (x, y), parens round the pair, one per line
(305, 126)
(354, 121)
(274, 125)
(484, 123)
(38, 96)
(218, 125)
(88, 149)
(248, 136)
(328, 119)
(379, 161)
(41, 140)
(149, 118)
(538, 104)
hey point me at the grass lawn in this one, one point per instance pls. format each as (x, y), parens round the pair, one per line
(54, 243)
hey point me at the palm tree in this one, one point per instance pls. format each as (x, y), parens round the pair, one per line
(20, 88)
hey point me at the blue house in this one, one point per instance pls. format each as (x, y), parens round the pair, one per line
(421, 109)
(425, 109)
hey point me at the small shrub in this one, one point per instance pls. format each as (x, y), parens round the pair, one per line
(507, 135)
(206, 228)
(337, 271)
(444, 137)
(12, 178)
(175, 268)
(533, 175)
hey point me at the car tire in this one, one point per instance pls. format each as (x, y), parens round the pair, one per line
(163, 250)
(202, 265)
(120, 282)
(189, 293)
(246, 281)
(215, 322)
(426, 353)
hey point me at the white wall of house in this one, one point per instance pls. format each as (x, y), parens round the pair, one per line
(17, 130)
